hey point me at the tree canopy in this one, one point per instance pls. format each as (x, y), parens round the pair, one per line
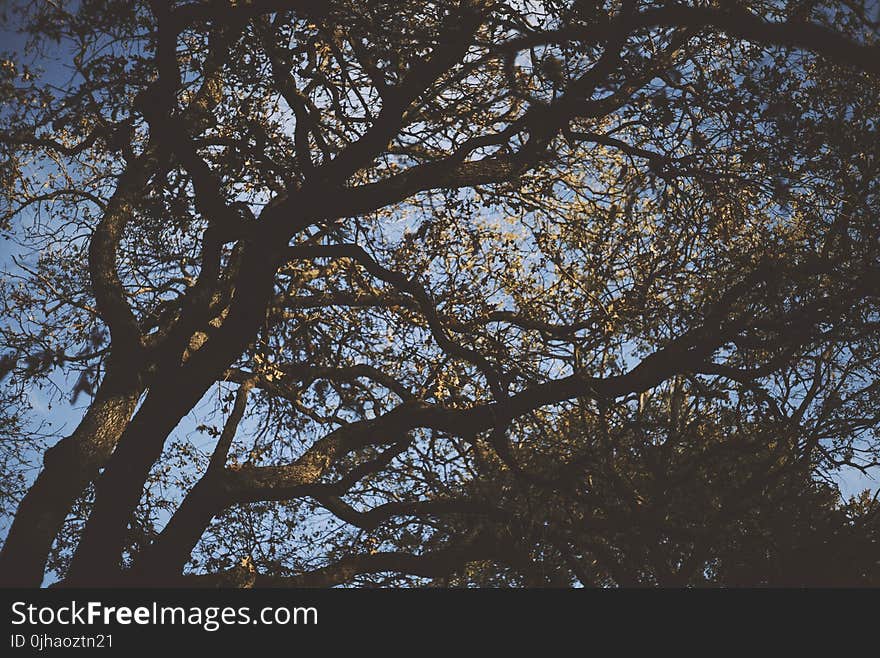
(462, 293)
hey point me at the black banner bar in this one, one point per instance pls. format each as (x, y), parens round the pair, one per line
(128, 620)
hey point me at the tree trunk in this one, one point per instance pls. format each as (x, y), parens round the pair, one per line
(172, 395)
(68, 467)
(162, 563)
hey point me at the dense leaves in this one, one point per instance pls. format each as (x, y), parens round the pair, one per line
(465, 292)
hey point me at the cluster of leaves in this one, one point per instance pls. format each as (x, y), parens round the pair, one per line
(558, 292)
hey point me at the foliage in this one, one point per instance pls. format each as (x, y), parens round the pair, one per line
(469, 292)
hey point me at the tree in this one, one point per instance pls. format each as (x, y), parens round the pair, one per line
(464, 292)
